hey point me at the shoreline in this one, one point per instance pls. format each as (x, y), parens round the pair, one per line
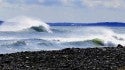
(106, 58)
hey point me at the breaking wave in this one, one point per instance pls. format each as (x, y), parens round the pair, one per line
(94, 36)
(23, 22)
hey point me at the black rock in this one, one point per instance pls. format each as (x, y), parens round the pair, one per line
(120, 46)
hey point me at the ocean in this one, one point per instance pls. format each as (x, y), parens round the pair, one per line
(34, 35)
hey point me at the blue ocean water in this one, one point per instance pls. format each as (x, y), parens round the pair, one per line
(34, 35)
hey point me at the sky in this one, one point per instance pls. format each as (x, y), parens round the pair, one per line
(65, 10)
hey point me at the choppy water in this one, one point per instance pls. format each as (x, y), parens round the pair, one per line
(23, 37)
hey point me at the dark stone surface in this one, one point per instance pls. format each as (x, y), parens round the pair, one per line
(107, 58)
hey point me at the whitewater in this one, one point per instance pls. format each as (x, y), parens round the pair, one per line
(29, 34)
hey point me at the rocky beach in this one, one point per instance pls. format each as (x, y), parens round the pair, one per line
(106, 58)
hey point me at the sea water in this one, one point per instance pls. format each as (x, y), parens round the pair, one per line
(21, 36)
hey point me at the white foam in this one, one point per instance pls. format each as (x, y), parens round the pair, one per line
(107, 35)
(104, 33)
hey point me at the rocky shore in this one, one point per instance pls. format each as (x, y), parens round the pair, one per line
(106, 58)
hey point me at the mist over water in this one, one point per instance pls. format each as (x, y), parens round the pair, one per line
(28, 34)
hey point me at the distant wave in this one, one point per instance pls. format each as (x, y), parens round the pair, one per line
(20, 23)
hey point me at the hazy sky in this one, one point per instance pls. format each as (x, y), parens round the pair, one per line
(65, 10)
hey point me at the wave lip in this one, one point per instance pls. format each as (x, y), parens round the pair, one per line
(39, 29)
